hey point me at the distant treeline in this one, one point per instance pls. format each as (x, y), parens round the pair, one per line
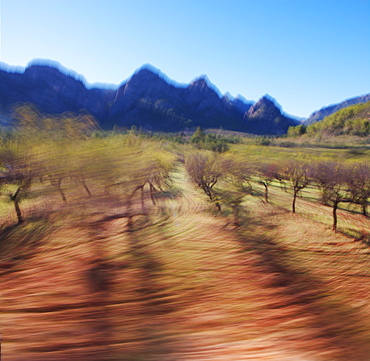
(201, 139)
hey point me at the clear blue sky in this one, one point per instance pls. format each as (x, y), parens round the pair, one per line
(304, 53)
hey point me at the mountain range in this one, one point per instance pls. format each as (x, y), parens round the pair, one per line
(326, 111)
(148, 99)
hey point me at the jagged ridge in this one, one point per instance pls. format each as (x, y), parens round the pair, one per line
(147, 99)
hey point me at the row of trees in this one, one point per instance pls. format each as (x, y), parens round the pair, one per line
(121, 164)
(337, 182)
(48, 155)
(93, 168)
(218, 142)
(60, 153)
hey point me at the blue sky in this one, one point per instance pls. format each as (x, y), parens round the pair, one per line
(304, 53)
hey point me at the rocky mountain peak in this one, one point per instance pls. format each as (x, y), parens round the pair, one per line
(48, 73)
(266, 101)
(265, 106)
(44, 70)
(265, 117)
(145, 82)
(202, 85)
(200, 82)
(203, 94)
(240, 104)
(148, 99)
(144, 75)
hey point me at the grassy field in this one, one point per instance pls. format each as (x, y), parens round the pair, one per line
(181, 282)
(280, 153)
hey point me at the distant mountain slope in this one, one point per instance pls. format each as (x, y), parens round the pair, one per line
(265, 114)
(352, 120)
(324, 112)
(52, 92)
(147, 99)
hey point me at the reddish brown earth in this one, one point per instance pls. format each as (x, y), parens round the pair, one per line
(182, 284)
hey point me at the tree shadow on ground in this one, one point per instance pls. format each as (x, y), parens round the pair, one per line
(151, 297)
(334, 321)
(152, 294)
(21, 241)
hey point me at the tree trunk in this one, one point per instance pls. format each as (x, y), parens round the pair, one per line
(60, 190)
(152, 189)
(364, 208)
(15, 199)
(57, 183)
(236, 212)
(18, 210)
(294, 199)
(129, 213)
(266, 193)
(142, 199)
(208, 191)
(335, 207)
(86, 188)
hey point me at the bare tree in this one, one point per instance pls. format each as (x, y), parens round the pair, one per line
(358, 182)
(54, 164)
(58, 135)
(17, 173)
(153, 174)
(205, 170)
(266, 174)
(296, 172)
(331, 178)
(56, 181)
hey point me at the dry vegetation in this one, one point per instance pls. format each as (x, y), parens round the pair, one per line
(138, 273)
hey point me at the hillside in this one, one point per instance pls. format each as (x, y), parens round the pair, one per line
(148, 99)
(326, 111)
(352, 120)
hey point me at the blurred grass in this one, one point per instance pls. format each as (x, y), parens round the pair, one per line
(257, 153)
